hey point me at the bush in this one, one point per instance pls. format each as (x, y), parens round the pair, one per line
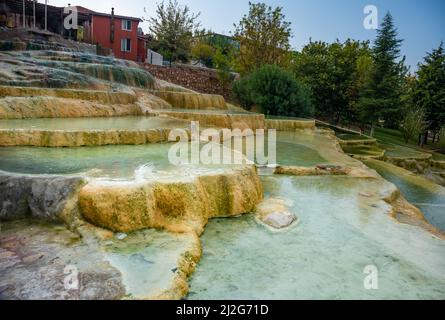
(242, 92)
(222, 62)
(275, 91)
(413, 124)
(204, 53)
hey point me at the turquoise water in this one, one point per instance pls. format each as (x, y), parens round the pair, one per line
(116, 123)
(147, 260)
(292, 149)
(427, 196)
(294, 154)
(118, 161)
(122, 161)
(324, 256)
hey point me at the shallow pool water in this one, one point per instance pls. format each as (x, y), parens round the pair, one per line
(427, 196)
(294, 154)
(306, 149)
(118, 161)
(147, 260)
(300, 148)
(324, 256)
(87, 124)
(123, 161)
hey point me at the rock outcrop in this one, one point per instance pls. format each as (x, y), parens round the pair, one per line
(53, 107)
(45, 255)
(275, 214)
(78, 138)
(196, 101)
(51, 198)
(290, 125)
(245, 121)
(178, 206)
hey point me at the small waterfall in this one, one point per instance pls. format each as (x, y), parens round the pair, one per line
(197, 101)
(77, 71)
(143, 172)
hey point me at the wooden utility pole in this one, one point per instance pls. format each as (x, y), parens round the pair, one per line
(34, 13)
(24, 14)
(46, 15)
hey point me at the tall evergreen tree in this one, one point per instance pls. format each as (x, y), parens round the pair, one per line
(381, 96)
(429, 92)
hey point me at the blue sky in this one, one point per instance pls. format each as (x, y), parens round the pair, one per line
(421, 23)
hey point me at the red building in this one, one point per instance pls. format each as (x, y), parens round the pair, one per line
(114, 32)
(143, 40)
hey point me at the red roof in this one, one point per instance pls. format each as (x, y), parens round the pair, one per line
(84, 10)
(81, 9)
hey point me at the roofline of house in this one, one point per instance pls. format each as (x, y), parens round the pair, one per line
(215, 34)
(115, 16)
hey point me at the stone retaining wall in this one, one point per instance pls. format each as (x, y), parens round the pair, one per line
(194, 78)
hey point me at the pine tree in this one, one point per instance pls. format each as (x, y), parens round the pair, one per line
(429, 92)
(381, 96)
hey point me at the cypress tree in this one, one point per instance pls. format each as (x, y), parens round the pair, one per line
(381, 96)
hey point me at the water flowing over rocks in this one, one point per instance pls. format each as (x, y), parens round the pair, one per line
(221, 120)
(290, 125)
(112, 205)
(178, 206)
(185, 100)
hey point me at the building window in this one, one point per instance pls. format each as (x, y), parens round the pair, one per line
(126, 45)
(126, 25)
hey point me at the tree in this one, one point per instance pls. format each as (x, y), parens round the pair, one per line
(413, 124)
(275, 91)
(442, 139)
(173, 29)
(335, 73)
(429, 90)
(204, 53)
(263, 36)
(381, 95)
(223, 63)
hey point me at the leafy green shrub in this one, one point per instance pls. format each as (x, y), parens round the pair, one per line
(222, 62)
(413, 124)
(275, 91)
(242, 92)
(204, 53)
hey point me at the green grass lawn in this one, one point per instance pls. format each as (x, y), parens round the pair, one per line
(393, 142)
(438, 156)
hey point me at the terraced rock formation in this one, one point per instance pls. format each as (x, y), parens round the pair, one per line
(111, 203)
